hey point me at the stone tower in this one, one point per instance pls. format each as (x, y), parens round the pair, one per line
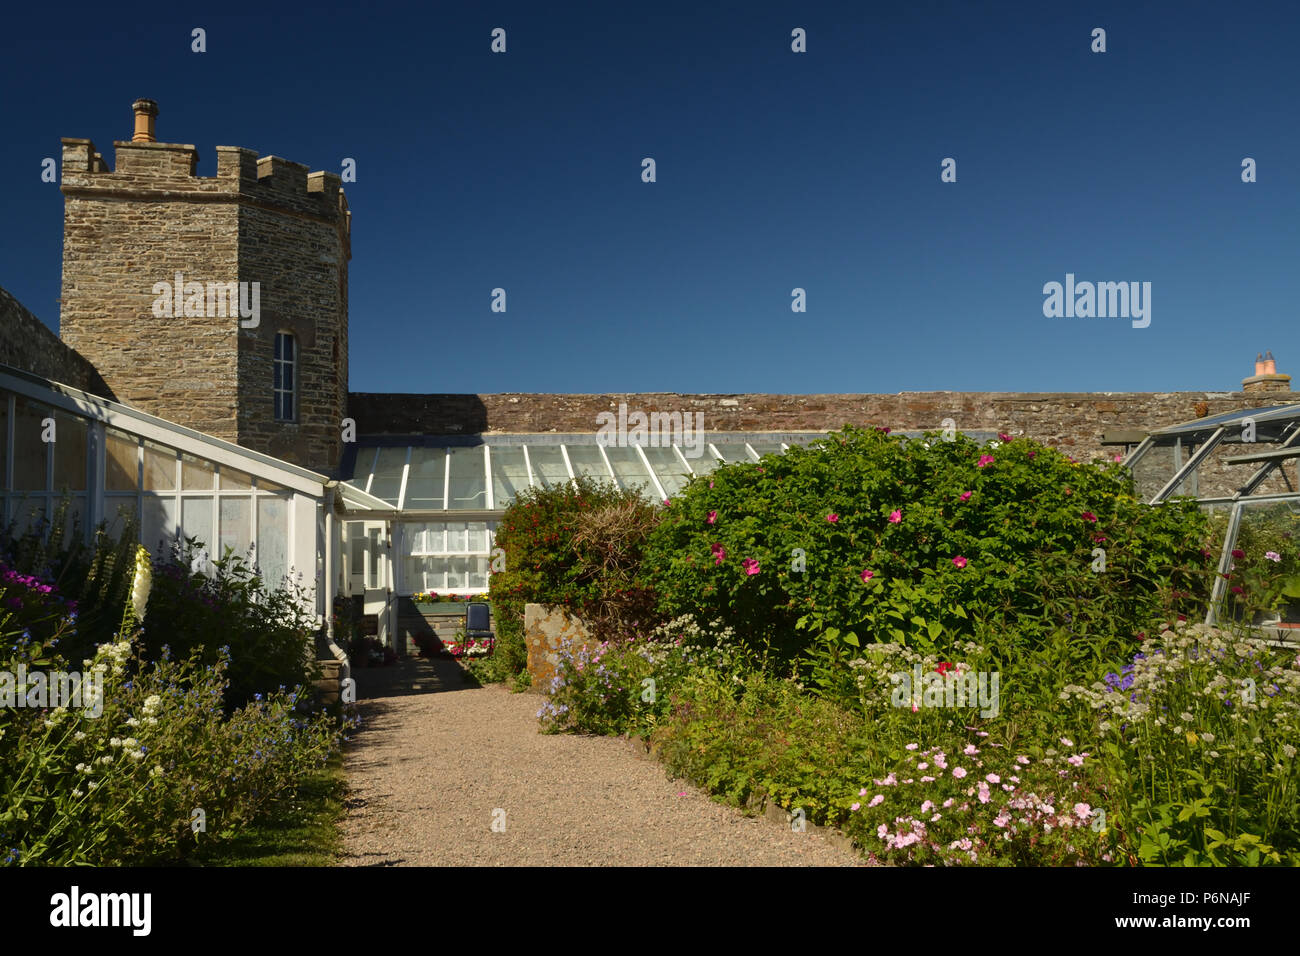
(157, 264)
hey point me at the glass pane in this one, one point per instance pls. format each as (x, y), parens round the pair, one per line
(159, 468)
(731, 451)
(28, 514)
(236, 525)
(121, 464)
(586, 460)
(158, 524)
(426, 478)
(1264, 583)
(457, 573)
(232, 479)
(424, 538)
(118, 513)
(4, 442)
(457, 536)
(705, 464)
(196, 520)
(271, 487)
(388, 474)
(75, 518)
(509, 474)
(548, 464)
(478, 572)
(70, 436)
(477, 537)
(668, 467)
(426, 574)
(273, 539)
(468, 488)
(29, 450)
(374, 569)
(766, 447)
(631, 470)
(196, 473)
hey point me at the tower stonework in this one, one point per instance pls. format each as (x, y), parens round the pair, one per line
(130, 231)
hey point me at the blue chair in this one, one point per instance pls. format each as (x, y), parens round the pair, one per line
(478, 624)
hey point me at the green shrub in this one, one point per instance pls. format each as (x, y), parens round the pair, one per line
(121, 786)
(578, 546)
(268, 632)
(868, 537)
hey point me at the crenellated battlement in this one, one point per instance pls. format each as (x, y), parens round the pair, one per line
(146, 168)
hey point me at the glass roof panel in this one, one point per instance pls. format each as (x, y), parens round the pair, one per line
(467, 489)
(766, 447)
(388, 473)
(630, 469)
(509, 474)
(587, 461)
(668, 467)
(1211, 423)
(732, 452)
(548, 464)
(424, 483)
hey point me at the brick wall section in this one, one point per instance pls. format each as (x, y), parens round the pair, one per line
(1071, 421)
(258, 220)
(27, 343)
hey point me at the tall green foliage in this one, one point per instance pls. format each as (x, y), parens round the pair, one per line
(871, 537)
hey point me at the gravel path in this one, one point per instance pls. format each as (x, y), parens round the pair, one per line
(434, 758)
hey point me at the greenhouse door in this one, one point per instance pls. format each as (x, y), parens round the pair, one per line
(370, 572)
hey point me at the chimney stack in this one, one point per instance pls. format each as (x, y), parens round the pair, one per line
(145, 113)
(1266, 377)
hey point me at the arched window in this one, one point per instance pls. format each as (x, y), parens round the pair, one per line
(286, 367)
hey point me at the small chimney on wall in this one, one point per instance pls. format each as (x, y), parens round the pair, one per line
(146, 111)
(1266, 377)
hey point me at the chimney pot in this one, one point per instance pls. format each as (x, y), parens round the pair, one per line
(1259, 363)
(146, 111)
(1270, 364)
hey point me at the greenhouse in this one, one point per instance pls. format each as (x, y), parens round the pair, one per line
(93, 460)
(449, 492)
(1242, 469)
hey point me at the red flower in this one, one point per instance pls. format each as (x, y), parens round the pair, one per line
(1238, 553)
(1004, 437)
(1089, 516)
(944, 667)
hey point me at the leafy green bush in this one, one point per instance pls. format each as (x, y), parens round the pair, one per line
(868, 537)
(268, 633)
(117, 777)
(578, 546)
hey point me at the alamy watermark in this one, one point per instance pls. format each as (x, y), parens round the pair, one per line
(656, 430)
(948, 687)
(1102, 300)
(72, 690)
(181, 299)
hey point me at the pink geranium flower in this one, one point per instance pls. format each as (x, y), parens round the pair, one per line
(896, 516)
(832, 518)
(1003, 437)
(1088, 516)
(984, 460)
(868, 575)
(959, 561)
(965, 496)
(750, 566)
(713, 516)
(719, 553)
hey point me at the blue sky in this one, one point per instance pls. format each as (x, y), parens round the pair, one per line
(775, 170)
